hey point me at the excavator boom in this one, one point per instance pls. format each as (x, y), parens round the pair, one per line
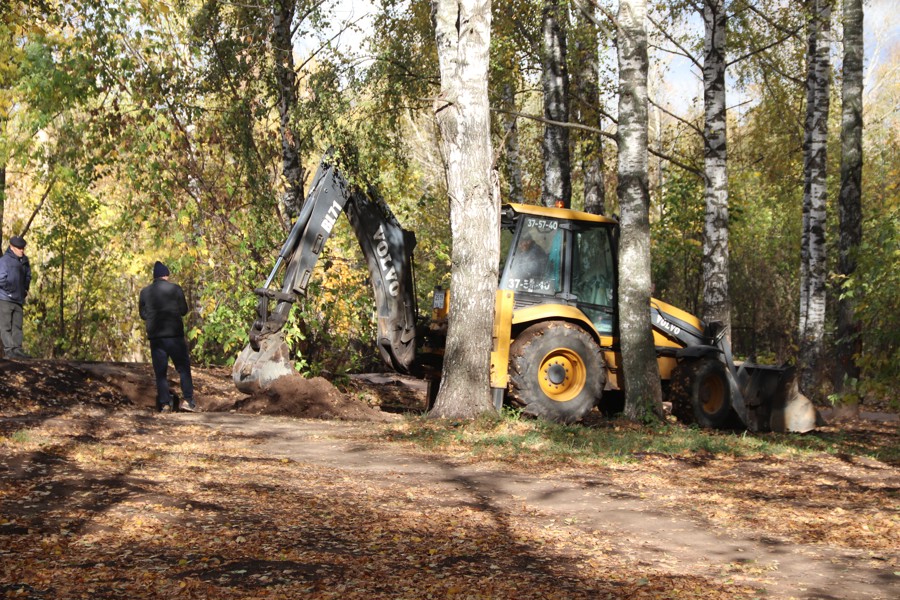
(388, 250)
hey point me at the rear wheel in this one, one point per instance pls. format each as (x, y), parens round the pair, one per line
(557, 371)
(700, 393)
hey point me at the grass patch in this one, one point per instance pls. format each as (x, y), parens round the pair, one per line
(510, 437)
(25, 437)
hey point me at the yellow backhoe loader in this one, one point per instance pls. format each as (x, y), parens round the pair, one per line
(556, 351)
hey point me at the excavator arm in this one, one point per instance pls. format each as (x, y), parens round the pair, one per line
(388, 250)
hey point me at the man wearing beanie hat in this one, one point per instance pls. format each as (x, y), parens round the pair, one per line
(15, 279)
(162, 306)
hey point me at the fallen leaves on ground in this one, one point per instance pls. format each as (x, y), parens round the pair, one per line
(135, 506)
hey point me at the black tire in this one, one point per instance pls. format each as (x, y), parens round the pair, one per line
(700, 393)
(557, 372)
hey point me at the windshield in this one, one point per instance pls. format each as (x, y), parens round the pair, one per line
(535, 264)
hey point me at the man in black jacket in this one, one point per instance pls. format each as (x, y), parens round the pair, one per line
(15, 279)
(162, 305)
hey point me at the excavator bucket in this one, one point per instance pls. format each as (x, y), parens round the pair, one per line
(256, 370)
(773, 401)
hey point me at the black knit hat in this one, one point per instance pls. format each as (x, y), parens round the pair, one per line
(17, 241)
(160, 270)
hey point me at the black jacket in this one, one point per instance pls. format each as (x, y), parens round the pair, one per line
(15, 277)
(162, 305)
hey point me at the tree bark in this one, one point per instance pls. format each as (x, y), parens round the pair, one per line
(286, 78)
(716, 303)
(557, 184)
(849, 343)
(812, 322)
(2, 197)
(463, 31)
(588, 99)
(643, 393)
(511, 146)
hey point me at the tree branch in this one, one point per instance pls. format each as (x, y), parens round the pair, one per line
(756, 51)
(676, 117)
(678, 163)
(40, 204)
(678, 45)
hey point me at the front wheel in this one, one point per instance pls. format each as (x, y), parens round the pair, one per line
(557, 371)
(700, 393)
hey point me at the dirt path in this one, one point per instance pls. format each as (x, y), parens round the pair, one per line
(591, 503)
(101, 497)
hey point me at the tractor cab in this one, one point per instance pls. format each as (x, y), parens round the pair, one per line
(555, 256)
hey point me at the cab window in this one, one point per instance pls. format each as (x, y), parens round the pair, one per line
(593, 268)
(534, 265)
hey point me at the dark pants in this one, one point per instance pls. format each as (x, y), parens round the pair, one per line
(161, 350)
(11, 328)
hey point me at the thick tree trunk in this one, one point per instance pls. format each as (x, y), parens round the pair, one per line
(588, 99)
(283, 50)
(463, 32)
(716, 303)
(557, 184)
(643, 394)
(511, 147)
(812, 322)
(849, 344)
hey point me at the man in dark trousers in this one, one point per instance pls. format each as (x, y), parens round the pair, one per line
(15, 279)
(162, 305)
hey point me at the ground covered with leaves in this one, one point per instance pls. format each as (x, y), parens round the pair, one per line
(100, 497)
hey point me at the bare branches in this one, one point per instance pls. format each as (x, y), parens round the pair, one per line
(695, 128)
(762, 49)
(612, 136)
(684, 52)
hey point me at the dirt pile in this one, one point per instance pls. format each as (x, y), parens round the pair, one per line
(27, 386)
(314, 398)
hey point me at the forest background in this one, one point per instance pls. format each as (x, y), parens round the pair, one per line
(138, 130)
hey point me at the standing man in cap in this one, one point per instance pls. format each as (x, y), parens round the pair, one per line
(162, 305)
(15, 279)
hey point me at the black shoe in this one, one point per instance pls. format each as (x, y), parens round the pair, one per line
(19, 354)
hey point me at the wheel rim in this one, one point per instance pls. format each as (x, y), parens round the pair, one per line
(712, 394)
(562, 375)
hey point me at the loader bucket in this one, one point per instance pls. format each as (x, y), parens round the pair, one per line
(773, 401)
(256, 371)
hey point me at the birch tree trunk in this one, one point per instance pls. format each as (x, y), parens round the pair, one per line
(463, 32)
(511, 146)
(643, 393)
(849, 344)
(812, 322)
(286, 79)
(557, 184)
(716, 303)
(2, 198)
(588, 99)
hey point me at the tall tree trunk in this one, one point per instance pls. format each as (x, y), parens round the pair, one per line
(511, 146)
(557, 184)
(812, 333)
(643, 393)
(716, 303)
(588, 98)
(463, 34)
(286, 78)
(2, 197)
(849, 343)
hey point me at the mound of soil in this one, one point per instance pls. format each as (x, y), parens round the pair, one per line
(314, 398)
(50, 385)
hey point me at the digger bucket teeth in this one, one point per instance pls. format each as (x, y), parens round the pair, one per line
(257, 370)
